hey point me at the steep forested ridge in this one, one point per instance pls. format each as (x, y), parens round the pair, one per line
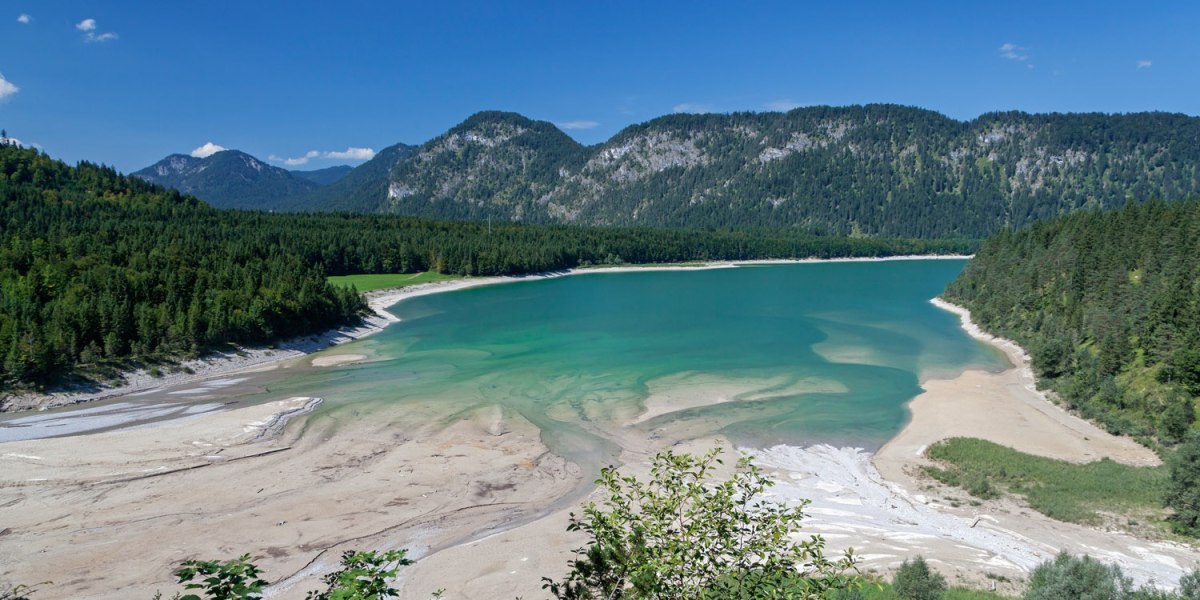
(1108, 305)
(880, 170)
(97, 268)
(874, 170)
(359, 190)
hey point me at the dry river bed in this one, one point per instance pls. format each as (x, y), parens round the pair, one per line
(479, 500)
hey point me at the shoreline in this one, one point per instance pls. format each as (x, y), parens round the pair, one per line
(884, 506)
(243, 359)
(1119, 448)
(1007, 408)
(473, 495)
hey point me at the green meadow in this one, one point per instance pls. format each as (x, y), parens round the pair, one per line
(370, 283)
(1077, 493)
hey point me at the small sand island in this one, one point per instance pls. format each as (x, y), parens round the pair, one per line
(482, 503)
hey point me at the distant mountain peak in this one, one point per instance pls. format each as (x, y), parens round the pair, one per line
(228, 179)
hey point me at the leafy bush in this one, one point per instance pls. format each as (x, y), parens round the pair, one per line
(235, 579)
(363, 576)
(678, 536)
(1189, 586)
(1079, 578)
(1182, 492)
(916, 581)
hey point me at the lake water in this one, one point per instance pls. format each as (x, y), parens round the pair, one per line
(794, 354)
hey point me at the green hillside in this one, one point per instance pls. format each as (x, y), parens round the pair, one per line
(1108, 305)
(97, 269)
(880, 170)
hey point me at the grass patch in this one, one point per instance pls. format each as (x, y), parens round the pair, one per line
(1058, 489)
(372, 282)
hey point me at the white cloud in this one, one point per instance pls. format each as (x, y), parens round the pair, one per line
(1013, 52)
(295, 162)
(783, 105)
(7, 88)
(24, 19)
(577, 125)
(692, 107)
(1145, 64)
(207, 150)
(88, 27)
(350, 153)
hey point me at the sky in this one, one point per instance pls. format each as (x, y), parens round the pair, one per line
(307, 85)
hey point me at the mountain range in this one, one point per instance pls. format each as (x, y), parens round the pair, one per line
(879, 170)
(233, 179)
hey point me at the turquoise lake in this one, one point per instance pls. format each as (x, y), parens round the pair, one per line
(797, 354)
(794, 354)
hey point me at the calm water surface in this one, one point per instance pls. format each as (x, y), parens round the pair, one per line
(801, 353)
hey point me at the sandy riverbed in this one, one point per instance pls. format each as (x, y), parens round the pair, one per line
(109, 515)
(878, 505)
(477, 497)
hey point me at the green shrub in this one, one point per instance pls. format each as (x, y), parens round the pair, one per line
(916, 581)
(1182, 492)
(235, 579)
(363, 576)
(679, 536)
(1077, 578)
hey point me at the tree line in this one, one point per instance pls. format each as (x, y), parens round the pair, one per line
(98, 269)
(1108, 306)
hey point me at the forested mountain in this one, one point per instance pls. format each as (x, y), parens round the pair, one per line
(1108, 305)
(324, 176)
(360, 189)
(229, 179)
(493, 164)
(97, 268)
(875, 170)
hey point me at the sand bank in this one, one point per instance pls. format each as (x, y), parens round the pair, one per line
(879, 505)
(242, 359)
(685, 391)
(214, 364)
(110, 515)
(887, 511)
(474, 497)
(333, 360)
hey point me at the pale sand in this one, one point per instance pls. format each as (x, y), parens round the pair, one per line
(686, 391)
(333, 360)
(877, 505)
(110, 515)
(394, 480)
(1006, 408)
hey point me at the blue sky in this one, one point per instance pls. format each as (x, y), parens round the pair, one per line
(126, 83)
